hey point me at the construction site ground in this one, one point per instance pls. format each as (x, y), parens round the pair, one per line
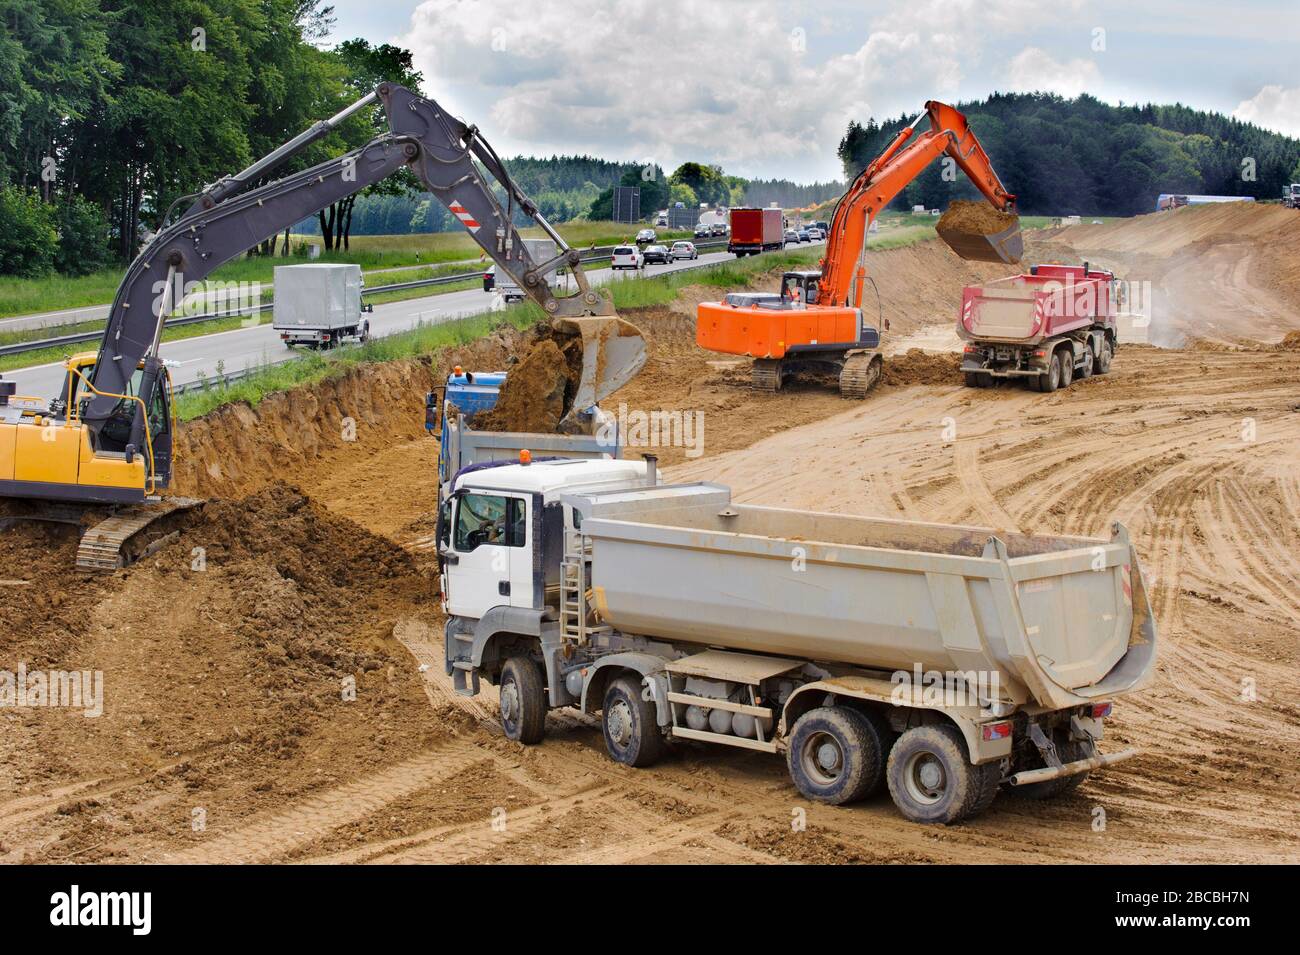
(273, 682)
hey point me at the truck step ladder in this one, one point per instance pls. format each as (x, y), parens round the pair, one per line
(464, 678)
(575, 609)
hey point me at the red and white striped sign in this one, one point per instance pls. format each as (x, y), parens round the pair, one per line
(467, 220)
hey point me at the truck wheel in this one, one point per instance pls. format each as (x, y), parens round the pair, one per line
(931, 778)
(632, 734)
(1050, 380)
(972, 380)
(523, 701)
(1104, 357)
(836, 755)
(1069, 751)
(1067, 367)
(1085, 371)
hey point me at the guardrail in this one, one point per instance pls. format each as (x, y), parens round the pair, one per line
(603, 254)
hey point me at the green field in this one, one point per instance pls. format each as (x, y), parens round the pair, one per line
(371, 252)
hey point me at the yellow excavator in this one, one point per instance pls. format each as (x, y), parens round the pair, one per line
(101, 450)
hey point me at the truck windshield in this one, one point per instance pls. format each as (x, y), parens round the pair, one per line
(489, 519)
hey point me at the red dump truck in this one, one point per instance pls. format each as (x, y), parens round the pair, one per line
(1050, 327)
(756, 230)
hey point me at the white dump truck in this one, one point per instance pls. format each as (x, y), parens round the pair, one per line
(319, 305)
(943, 662)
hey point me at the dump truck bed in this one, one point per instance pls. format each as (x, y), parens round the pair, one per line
(1027, 309)
(1061, 620)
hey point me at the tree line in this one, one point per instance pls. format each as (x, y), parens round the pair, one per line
(111, 110)
(1085, 157)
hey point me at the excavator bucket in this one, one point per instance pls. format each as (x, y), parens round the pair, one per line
(1007, 246)
(613, 351)
(976, 230)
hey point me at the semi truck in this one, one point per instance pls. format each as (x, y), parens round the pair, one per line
(940, 662)
(319, 305)
(756, 230)
(1049, 327)
(1291, 195)
(448, 414)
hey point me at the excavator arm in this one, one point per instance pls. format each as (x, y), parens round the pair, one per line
(228, 217)
(906, 157)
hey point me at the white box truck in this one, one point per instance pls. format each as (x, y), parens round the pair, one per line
(319, 305)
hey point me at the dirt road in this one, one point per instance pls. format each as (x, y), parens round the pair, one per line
(229, 733)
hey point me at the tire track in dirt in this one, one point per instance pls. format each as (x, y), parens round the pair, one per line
(272, 837)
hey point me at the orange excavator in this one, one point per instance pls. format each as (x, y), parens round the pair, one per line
(816, 321)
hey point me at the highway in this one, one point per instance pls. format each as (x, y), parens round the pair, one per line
(259, 345)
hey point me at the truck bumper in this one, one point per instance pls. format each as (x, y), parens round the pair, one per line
(1025, 777)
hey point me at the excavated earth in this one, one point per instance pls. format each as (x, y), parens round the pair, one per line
(273, 685)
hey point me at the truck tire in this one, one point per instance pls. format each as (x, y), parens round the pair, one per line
(632, 734)
(836, 755)
(523, 701)
(932, 780)
(1050, 380)
(1104, 357)
(1069, 751)
(1085, 370)
(1067, 366)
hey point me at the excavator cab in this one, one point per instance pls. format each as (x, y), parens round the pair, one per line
(800, 288)
(48, 450)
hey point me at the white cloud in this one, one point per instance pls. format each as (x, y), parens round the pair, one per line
(1273, 107)
(693, 79)
(1033, 70)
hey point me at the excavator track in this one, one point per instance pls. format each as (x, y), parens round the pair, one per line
(102, 548)
(861, 373)
(766, 375)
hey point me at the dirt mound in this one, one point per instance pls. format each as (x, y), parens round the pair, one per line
(1291, 342)
(250, 661)
(535, 395)
(975, 218)
(1166, 233)
(918, 367)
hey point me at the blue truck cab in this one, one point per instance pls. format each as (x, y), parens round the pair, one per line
(465, 393)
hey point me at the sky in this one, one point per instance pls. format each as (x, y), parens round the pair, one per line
(765, 89)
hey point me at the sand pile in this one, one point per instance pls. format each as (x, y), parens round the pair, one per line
(539, 387)
(975, 218)
(919, 367)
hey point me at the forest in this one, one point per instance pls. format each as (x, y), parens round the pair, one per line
(1085, 157)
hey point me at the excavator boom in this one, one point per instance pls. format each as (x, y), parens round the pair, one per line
(447, 155)
(906, 157)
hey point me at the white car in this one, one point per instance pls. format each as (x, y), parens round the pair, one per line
(627, 257)
(683, 250)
